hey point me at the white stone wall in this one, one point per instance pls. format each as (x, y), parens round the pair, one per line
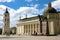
(51, 28)
(44, 25)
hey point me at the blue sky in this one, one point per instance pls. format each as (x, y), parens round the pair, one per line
(19, 8)
(15, 4)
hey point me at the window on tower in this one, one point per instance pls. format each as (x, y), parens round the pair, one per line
(5, 19)
(5, 15)
(5, 24)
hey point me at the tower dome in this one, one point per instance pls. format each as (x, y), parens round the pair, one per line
(50, 9)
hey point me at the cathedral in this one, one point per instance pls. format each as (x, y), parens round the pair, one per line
(46, 24)
(6, 21)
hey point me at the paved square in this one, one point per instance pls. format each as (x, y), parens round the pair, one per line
(30, 37)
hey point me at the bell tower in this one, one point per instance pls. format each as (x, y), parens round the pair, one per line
(6, 21)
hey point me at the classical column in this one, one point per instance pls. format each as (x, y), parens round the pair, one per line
(25, 29)
(39, 28)
(33, 28)
(30, 29)
(36, 30)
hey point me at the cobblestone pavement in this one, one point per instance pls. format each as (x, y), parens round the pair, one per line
(30, 38)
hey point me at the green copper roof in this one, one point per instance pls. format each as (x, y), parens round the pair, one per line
(50, 9)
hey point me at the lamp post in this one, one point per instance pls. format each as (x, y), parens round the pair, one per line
(40, 20)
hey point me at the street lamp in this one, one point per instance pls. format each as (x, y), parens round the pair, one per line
(40, 20)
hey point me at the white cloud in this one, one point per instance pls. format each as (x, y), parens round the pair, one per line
(31, 11)
(11, 11)
(34, 5)
(6, 0)
(28, 11)
(58, 0)
(15, 14)
(56, 4)
(31, 0)
(22, 11)
(28, 0)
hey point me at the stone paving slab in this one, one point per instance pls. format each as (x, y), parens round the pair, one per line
(31, 38)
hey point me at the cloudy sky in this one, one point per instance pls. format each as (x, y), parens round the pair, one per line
(19, 8)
